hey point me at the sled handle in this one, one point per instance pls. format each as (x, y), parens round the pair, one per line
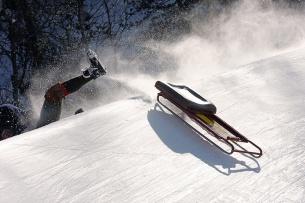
(244, 151)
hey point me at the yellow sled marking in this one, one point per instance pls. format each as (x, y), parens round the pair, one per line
(221, 131)
(205, 119)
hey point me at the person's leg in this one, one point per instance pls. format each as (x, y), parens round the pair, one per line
(75, 84)
(51, 108)
(50, 112)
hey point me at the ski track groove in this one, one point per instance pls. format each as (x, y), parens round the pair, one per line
(108, 180)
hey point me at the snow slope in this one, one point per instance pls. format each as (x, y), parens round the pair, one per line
(131, 151)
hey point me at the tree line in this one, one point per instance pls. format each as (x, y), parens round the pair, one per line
(38, 34)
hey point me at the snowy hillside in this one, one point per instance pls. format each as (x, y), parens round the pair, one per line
(131, 151)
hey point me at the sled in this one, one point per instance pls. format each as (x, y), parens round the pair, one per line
(202, 113)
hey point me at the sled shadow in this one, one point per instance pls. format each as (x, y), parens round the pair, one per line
(181, 139)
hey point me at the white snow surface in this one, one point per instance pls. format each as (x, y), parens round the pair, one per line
(131, 151)
(186, 94)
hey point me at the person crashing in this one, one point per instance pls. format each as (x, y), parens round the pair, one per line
(12, 118)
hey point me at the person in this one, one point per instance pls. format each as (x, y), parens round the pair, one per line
(11, 121)
(12, 118)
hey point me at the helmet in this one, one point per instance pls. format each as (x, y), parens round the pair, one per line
(10, 119)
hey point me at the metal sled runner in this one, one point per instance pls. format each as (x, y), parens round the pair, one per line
(203, 113)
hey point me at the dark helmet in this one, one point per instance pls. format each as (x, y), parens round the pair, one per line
(11, 119)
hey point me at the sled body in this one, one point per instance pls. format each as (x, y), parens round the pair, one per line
(203, 113)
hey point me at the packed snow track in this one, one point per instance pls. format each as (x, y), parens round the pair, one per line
(132, 151)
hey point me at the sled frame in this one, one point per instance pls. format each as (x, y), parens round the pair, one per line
(234, 143)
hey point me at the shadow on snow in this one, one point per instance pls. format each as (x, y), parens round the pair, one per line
(181, 139)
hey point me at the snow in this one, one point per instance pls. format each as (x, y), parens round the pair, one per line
(131, 151)
(186, 94)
